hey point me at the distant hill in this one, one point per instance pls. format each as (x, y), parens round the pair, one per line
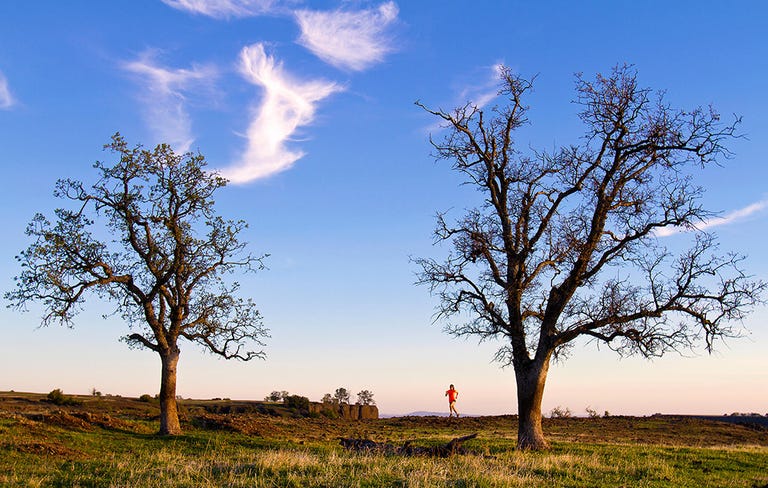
(422, 413)
(414, 414)
(736, 419)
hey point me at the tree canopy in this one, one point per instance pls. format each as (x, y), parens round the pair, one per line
(146, 237)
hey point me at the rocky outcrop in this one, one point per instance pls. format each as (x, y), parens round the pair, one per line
(355, 412)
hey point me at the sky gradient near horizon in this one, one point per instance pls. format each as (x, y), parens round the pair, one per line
(308, 108)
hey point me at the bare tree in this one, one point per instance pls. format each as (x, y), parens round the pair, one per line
(567, 244)
(159, 257)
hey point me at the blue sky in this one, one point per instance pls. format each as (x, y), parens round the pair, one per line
(308, 108)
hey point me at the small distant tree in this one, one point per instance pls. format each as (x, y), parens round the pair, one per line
(341, 395)
(327, 399)
(146, 237)
(365, 397)
(565, 246)
(276, 396)
(592, 413)
(560, 412)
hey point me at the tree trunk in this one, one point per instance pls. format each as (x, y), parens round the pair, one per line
(530, 391)
(169, 413)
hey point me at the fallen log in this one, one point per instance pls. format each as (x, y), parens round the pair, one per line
(407, 449)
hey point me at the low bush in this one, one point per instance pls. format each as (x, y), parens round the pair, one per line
(298, 403)
(57, 397)
(329, 413)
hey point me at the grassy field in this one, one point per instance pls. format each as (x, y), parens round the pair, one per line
(110, 442)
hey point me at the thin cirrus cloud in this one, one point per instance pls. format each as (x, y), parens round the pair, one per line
(164, 100)
(286, 105)
(482, 94)
(224, 9)
(729, 218)
(6, 100)
(476, 95)
(352, 40)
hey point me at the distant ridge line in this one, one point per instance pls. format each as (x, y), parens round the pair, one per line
(426, 414)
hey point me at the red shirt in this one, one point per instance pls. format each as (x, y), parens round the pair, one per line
(452, 394)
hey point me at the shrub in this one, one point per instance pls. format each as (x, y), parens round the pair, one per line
(298, 403)
(329, 413)
(146, 398)
(57, 397)
(592, 413)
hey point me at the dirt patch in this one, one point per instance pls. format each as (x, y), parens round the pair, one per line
(84, 421)
(230, 423)
(105, 421)
(45, 449)
(60, 418)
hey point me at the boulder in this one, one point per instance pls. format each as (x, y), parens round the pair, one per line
(368, 412)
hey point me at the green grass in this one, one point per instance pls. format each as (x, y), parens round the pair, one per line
(122, 451)
(54, 456)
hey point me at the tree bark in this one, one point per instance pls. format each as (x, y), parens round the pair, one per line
(531, 379)
(169, 413)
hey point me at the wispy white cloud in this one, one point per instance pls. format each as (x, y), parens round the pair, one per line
(6, 99)
(163, 96)
(348, 39)
(286, 105)
(484, 92)
(727, 219)
(479, 94)
(224, 9)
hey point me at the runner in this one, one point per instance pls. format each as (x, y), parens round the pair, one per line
(452, 395)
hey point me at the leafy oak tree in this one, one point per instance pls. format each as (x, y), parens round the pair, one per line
(567, 244)
(146, 238)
